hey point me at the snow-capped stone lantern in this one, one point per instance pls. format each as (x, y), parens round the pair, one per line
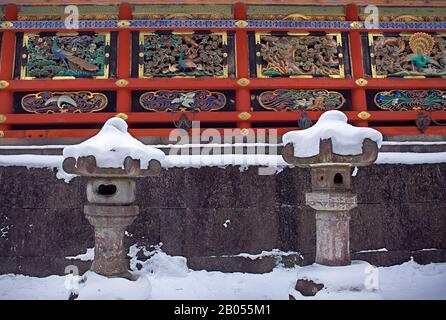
(330, 149)
(111, 160)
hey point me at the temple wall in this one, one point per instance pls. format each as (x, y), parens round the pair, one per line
(401, 208)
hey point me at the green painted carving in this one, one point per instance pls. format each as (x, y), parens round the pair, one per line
(285, 56)
(403, 100)
(419, 54)
(183, 55)
(308, 100)
(78, 56)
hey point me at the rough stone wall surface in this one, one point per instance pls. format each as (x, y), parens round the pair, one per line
(401, 208)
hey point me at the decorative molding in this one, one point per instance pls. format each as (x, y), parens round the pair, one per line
(57, 12)
(408, 100)
(183, 12)
(64, 102)
(295, 12)
(180, 100)
(210, 24)
(308, 100)
(408, 14)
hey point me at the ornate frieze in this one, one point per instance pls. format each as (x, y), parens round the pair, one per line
(402, 100)
(64, 102)
(408, 55)
(182, 12)
(296, 13)
(86, 12)
(75, 55)
(183, 54)
(299, 55)
(407, 14)
(173, 100)
(209, 24)
(308, 100)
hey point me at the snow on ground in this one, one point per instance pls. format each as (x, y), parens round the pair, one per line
(112, 145)
(166, 277)
(346, 139)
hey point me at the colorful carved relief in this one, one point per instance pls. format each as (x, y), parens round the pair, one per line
(167, 100)
(308, 100)
(299, 55)
(407, 14)
(408, 55)
(296, 13)
(54, 12)
(65, 56)
(182, 12)
(64, 102)
(183, 55)
(403, 100)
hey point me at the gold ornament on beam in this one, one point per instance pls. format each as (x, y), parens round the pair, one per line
(364, 115)
(4, 84)
(243, 82)
(361, 82)
(244, 115)
(122, 83)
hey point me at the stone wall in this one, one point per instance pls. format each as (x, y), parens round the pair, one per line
(401, 208)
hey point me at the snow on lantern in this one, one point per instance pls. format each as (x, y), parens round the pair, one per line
(111, 160)
(330, 149)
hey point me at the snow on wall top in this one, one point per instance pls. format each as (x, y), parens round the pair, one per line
(346, 139)
(112, 145)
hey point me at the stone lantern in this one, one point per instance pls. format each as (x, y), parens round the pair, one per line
(331, 171)
(111, 189)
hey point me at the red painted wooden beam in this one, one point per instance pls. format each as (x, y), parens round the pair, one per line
(243, 95)
(133, 117)
(359, 101)
(223, 84)
(7, 63)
